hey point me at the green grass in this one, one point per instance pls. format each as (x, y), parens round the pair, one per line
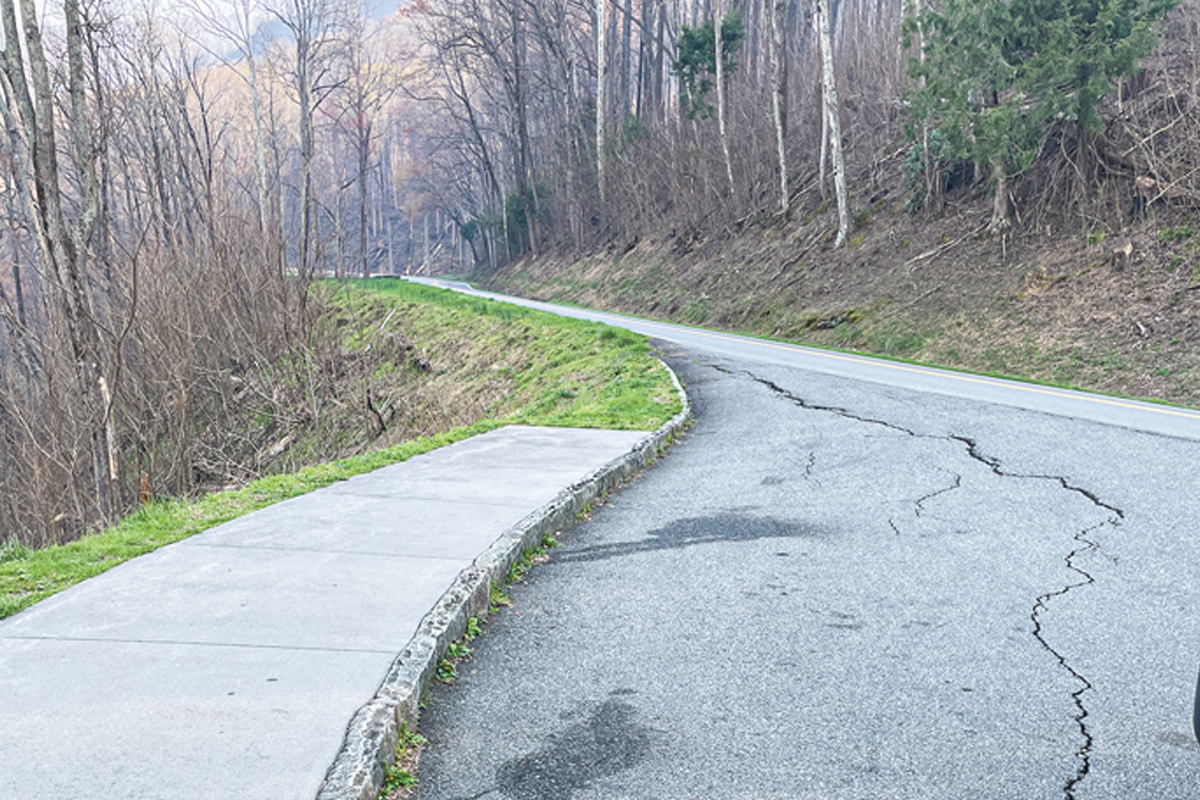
(558, 372)
(399, 774)
(1176, 233)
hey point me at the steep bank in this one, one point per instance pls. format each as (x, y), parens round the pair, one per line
(1113, 307)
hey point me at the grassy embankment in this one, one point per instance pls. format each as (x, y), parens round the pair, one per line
(1054, 309)
(467, 366)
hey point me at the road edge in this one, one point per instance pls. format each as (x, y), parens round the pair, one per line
(357, 772)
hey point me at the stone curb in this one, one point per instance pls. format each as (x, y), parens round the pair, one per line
(369, 747)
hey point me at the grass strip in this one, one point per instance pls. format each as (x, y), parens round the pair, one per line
(570, 373)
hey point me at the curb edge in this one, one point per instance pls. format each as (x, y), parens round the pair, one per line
(357, 772)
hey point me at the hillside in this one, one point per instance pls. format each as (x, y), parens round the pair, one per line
(392, 370)
(1050, 308)
(386, 367)
(1097, 287)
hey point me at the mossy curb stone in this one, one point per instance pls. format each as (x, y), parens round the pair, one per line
(358, 771)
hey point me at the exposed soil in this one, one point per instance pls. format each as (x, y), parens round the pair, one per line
(1055, 301)
(1095, 285)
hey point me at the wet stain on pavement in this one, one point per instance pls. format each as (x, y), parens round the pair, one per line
(609, 741)
(726, 527)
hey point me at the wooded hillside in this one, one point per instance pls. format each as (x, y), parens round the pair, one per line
(175, 178)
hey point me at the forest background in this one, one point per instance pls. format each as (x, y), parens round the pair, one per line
(1005, 185)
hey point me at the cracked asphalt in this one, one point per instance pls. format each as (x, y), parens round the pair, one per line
(838, 589)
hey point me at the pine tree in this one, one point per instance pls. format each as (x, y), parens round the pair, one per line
(997, 74)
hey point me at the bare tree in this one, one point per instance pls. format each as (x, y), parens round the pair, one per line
(778, 53)
(832, 115)
(234, 22)
(601, 117)
(369, 82)
(313, 25)
(718, 36)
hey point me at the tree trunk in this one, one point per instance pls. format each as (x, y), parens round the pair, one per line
(933, 182)
(656, 76)
(823, 160)
(829, 92)
(260, 149)
(364, 151)
(575, 143)
(778, 53)
(306, 156)
(626, 39)
(63, 258)
(524, 150)
(21, 209)
(104, 246)
(387, 223)
(1001, 210)
(601, 74)
(719, 51)
(105, 439)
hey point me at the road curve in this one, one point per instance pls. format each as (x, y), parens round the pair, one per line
(853, 579)
(1123, 412)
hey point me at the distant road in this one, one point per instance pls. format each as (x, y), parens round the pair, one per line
(1149, 417)
(853, 579)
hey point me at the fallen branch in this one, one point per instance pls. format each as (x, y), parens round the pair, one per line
(943, 248)
(816, 237)
(277, 449)
(912, 302)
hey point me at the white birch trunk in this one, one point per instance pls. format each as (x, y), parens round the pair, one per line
(719, 51)
(1001, 211)
(779, 81)
(932, 181)
(829, 90)
(601, 73)
(260, 148)
(425, 258)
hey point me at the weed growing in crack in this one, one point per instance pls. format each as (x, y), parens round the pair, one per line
(517, 571)
(400, 779)
(446, 671)
(456, 652)
(498, 599)
(530, 557)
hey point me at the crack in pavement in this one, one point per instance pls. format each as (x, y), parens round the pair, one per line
(1083, 753)
(920, 504)
(1085, 750)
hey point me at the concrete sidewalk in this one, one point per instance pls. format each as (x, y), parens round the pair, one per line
(229, 665)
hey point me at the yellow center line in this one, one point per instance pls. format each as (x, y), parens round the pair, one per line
(958, 376)
(1023, 387)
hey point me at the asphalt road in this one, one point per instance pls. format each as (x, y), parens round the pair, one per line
(844, 585)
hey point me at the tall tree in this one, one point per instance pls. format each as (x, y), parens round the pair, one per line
(368, 83)
(64, 245)
(601, 117)
(778, 54)
(832, 115)
(718, 62)
(993, 76)
(237, 29)
(313, 25)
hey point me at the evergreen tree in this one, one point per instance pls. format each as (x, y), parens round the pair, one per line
(696, 64)
(998, 73)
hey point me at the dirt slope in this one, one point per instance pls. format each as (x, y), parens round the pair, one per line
(1051, 303)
